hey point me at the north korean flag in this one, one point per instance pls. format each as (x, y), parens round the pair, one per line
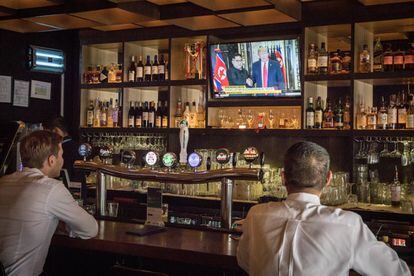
(220, 72)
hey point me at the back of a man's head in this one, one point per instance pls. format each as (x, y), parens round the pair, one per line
(36, 147)
(56, 122)
(306, 165)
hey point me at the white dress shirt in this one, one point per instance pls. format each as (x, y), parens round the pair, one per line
(302, 237)
(31, 205)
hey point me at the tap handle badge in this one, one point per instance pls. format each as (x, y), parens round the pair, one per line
(222, 156)
(85, 150)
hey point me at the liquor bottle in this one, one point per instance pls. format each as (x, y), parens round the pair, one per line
(392, 119)
(118, 73)
(97, 113)
(395, 190)
(145, 115)
(158, 115)
(178, 113)
(89, 114)
(147, 70)
(318, 113)
(409, 58)
(154, 69)
(115, 115)
(104, 114)
(361, 116)
(131, 114)
(410, 114)
(339, 115)
(193, 115)
(312, 60)
(109, 115)
(399, 60)
(382, 117)
(103, 76)
(138, 114)
(322, 60)
(164, 121)
(140, 70)
(371, 118)
(151, 114)
(120, 114)
(167, 74)
(336, 63)
(161, 69)
(200, 115)
(112, 74)
(388, 60)
(364, 60)
(310, 114)
(378, 56)
(402, 111)
(328, 115)
(132, 70)
(347, 113)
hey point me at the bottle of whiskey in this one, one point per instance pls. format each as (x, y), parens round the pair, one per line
(178, 113)
(328, 115)
(158, 115)
(318, 113)
(115, 114)
(104, 114)
(395, 190)
(361, 117)
(312, 60)
(402, 111)
(164, 121)
(339, 115)
(392, 119)
(147, 70)
(336, 63)
(409, 58)
(410, 115)
(154, 69)
(145, 115)
(388, 60)
(378, 56)
(109, 114)
(382, 117)
(138, 114)
(310, 114)
(364, 60)
(97, 113)
(347, 113)
(399, 60)
(161, 69)
(322, 60)
(151, 115)
(371, 118)
(131, 114)
(89, 114)
(140, 70)
(103, 76)
(132, 70)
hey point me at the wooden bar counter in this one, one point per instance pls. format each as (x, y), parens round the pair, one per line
(195, 247)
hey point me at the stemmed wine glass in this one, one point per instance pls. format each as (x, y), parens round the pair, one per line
(385, 152)
(395, 153)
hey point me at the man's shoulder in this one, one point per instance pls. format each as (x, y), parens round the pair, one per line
(338, 215)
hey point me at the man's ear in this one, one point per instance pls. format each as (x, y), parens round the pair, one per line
(328, 178)
(51, 160)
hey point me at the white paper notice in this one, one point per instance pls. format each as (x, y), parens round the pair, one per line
(5, 89)
(40, 90)
(21, 93)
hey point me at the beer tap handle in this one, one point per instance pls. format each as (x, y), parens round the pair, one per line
(208, 163)
(234, 159)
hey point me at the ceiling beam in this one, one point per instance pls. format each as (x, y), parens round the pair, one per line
(293, 8)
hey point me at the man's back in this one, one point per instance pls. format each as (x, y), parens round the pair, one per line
(302, 237)
(31, 205)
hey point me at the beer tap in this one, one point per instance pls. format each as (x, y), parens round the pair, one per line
(208, 167)
(151, 159)
(105, 153)
(169, 160)
(195, 160)
(85, 151)
(184, 136)
(128, 158)
(222, 156)
(250, 155)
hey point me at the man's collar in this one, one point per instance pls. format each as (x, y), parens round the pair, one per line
(306, 197)
(33, 170)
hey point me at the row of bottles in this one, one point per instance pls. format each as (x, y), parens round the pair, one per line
(322, 62)
(104, 114)
(193, 113)
(150, 71)
(103, 74)
(145, 115)
(329, 117)
(388, 60)
(398, 114)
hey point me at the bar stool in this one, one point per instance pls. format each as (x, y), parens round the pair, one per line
(120, 270)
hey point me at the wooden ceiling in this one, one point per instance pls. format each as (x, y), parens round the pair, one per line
(110, 15)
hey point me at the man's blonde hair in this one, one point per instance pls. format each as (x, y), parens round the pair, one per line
(36, 147)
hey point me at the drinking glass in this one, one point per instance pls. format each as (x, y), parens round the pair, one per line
(385, 152)
(112, 209)
(395, 153)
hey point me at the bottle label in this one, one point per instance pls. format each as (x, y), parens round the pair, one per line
(372, 120)
(395, 193)
(145, 116)
(347, 117)
(158, 121)
(402, 116)
(161, 69)
(90, 118)
(399, 60)
(362, 121)
(138, 121)
(102, 77)
(323, 61)
(151, 118)
(130, 121)
(382, 118)
(410, 121)
(154, 70)
(409, 59)
(115, 117)
(310, 119)
(140, 72)
(131, 76)
(311, 64)
(388, 60)
(164, 121)
(147, 70)
(392, 116)
(318, 116)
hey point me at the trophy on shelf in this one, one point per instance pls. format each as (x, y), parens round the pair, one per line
(195, 54)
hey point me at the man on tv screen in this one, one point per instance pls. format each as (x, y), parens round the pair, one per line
(266, 72)
(237, 74)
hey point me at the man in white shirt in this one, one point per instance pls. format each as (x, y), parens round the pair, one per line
(302, 237)
(32, 203)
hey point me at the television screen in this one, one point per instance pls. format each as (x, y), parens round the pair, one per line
(256, 69)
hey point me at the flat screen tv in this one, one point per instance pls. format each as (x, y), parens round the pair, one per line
(255, 69)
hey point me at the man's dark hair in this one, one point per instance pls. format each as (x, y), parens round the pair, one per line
(58, 122)
(306, 165)
(236, 55)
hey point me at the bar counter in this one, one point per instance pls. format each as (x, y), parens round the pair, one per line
(207, 248)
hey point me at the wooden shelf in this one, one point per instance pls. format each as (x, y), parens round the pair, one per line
(327, 77)
(385, 78)
(380, 132)
(144, 84)
(255, 102)
(125, 129)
